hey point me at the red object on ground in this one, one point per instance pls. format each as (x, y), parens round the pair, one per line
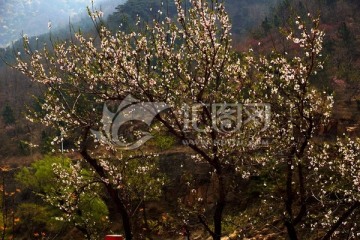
(114, 237)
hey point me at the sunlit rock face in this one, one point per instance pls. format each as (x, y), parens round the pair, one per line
(32, 17)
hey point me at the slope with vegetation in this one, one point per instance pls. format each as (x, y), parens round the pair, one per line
(302, 184)
(341, 23)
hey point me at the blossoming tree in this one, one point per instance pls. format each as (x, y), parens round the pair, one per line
(299, 113)
(216, 100)
(337, 169)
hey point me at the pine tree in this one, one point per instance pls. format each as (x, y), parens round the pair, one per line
(8, 115)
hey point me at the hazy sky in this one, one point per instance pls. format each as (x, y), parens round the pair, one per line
(31, 17)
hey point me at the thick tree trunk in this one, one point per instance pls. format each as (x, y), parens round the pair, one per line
(218, 219)
(302, 213)
(219, 208)
(291, 230)
(114, 194)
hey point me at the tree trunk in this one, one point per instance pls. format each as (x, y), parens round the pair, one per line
(218, 219)
(291, 230)
(114, 193)
(220, 205)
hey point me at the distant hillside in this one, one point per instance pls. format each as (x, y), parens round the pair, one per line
(32, 16)
(253, 22)
(340, 21)
(245, 14)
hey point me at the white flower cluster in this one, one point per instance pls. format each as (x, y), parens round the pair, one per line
(190, 60)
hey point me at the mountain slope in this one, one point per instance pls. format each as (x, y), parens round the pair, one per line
(32, 16)
(244, 14)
